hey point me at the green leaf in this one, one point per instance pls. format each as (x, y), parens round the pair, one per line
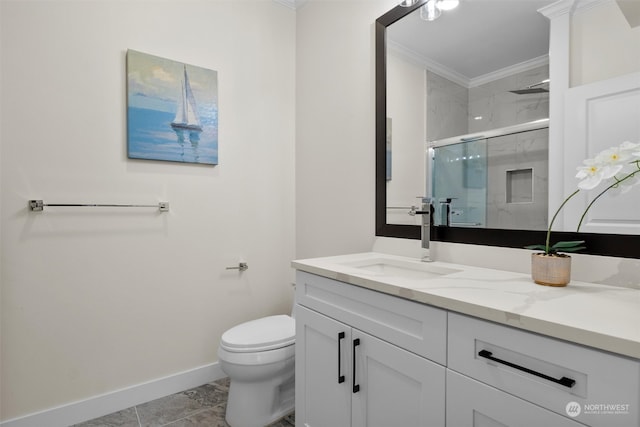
(536, 247)
(563, 245)
(574, 249)
(570, 246)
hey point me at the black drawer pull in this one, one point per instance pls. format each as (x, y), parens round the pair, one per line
(356, 387)
(340, 376)
(567, 382)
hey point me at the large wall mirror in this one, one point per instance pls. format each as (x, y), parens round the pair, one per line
(462, 115)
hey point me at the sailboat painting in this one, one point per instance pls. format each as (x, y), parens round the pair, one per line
(172, 110)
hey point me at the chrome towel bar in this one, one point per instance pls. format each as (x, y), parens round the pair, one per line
(38, 205)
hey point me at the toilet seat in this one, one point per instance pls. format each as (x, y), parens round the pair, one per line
(267, 333)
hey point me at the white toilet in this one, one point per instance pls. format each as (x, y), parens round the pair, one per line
(258, 357)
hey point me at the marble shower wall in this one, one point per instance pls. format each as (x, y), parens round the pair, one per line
(453, 109)
(517, 181)
(498, 107)
(447, 108)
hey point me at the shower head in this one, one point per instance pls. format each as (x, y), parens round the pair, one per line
(528, 91)
(534, 88)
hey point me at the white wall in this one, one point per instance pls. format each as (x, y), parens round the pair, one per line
(406, 107)
(335, 131)
(95, 300)
(603, 44)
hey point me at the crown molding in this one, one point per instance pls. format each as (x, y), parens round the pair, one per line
(454, 76)
(419, 59)
(558, 8)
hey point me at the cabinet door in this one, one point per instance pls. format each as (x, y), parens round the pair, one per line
(323, 385)
(396, 387)
(471, 403)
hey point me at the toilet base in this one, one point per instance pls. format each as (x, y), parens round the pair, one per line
(253, 404)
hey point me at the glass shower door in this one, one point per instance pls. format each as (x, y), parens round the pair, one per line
(459, 184)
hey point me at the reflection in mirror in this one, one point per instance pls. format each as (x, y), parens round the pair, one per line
(402, 100)
(459, 75)
(493, 182)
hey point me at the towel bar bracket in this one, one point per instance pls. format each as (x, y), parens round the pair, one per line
(36, 205)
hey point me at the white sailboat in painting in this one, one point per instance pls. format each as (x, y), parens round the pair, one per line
(187, 112)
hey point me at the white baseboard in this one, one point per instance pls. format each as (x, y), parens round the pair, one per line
(94, 407)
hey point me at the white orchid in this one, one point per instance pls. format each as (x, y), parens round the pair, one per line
(594, 172)
(607, 164)
(620, 165)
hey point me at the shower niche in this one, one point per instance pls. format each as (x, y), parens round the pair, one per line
(519, 184)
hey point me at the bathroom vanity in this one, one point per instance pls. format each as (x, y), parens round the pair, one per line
(386, 341)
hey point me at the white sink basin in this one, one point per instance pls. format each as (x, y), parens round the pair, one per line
(399, 268)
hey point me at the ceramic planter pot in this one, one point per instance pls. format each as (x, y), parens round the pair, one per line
(551, 270)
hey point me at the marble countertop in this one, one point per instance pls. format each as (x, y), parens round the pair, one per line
(599, 316)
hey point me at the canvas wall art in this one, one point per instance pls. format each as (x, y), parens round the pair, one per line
(172, 110)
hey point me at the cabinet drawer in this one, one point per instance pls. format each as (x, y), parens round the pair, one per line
(473, 404)
(598, 388)
(415, 327)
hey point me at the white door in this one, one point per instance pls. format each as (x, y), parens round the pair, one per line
(323, 385)
(599, 116)
(394, 387)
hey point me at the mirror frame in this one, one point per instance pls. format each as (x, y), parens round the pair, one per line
(616, 245)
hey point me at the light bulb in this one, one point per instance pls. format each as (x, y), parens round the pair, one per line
(429, 11)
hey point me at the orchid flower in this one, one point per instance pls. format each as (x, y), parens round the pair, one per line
(607, 164)
(619, 167)
(621, 163)
(594, 172)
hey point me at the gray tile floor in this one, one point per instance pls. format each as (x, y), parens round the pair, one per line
(202, 406)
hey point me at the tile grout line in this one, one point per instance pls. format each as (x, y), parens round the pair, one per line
(137, 416)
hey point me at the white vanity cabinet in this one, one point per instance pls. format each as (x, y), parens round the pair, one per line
(353, 364)
(369, 354)
(494, 371)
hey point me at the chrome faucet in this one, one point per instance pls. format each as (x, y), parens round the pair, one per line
(427, 221)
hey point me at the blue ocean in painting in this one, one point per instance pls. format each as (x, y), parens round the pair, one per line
(152, 137)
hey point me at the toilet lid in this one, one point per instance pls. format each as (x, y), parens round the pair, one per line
(268, 333)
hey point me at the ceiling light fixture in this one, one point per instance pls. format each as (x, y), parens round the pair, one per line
(407, 3)
(429, 11)
(432, 9)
